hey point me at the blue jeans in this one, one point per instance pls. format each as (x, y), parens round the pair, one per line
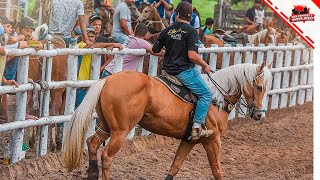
(67, 40)
(192, 79)
(105, 73)
(81, 93)
(120, 39)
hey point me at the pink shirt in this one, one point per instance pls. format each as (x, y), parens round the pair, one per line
(130, 62)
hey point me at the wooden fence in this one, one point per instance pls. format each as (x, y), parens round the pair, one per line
(292, 84)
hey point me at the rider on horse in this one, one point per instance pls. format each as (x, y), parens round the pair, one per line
(255, 15)
(181, 43)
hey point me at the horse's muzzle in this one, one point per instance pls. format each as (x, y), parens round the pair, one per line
(256, 115)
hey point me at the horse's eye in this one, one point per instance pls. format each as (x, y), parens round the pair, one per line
(145, 11)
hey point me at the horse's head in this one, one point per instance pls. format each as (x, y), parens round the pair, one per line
(40, 32)
(134, 12)
(148, 13)
(255, 91)
(281, 36)
(152, 19)
(271, 36)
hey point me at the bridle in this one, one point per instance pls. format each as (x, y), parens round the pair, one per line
(242, 100)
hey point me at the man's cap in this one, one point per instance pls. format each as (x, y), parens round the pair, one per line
(189, 1)
(94, 17)
(257, 1)
(90, 29)
(5, 20)
(184, 9)
(26, 22)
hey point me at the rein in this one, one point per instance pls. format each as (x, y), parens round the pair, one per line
(242, 100)
(222, 91)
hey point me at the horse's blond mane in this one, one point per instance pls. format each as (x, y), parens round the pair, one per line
(258, 37)
(235, 78)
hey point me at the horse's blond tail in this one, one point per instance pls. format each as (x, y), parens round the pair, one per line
(77, 127)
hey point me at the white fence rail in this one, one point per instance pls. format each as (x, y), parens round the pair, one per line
(293, 76)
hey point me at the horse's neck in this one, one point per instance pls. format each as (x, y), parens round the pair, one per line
(258, 37)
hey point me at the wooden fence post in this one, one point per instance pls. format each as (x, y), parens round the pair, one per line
(71, 92)
(286, 75)
(21, 104)
(225, 58)
(277, 79)
(270, 55)
(294, 77)
(46, 76)
(249, 54)
(310, 78)
(260, 55)
(213, 58)
(303, 77)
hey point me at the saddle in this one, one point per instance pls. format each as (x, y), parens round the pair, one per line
(178, 89)
(233, 38)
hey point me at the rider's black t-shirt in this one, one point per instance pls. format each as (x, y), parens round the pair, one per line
(178, 39)
(251, 13)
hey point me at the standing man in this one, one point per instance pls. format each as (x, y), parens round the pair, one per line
(138, 41)
(122, 21)
(84, 62)
(180, 41)
(255, 15)
(63, 19)
(162, 6)
(195, 20)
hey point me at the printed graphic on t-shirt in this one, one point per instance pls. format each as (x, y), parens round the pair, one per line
(176, 34)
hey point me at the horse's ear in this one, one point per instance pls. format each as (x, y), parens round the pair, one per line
(261, 66)
(270, 65)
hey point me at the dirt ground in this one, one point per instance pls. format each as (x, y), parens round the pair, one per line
(279, 147)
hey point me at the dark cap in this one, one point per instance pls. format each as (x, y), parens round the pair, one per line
(90, 29)
(184, 9)
(257, 1)
(5, 20)
(26, 22)
(94, 17)
(189, 1)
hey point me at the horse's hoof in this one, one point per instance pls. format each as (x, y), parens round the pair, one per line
(93, 176)
(169, 177)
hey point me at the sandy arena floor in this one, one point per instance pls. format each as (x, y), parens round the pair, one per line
(279, 147)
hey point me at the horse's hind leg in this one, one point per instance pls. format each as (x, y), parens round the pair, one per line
(181, 154)
(94, 142)
(213, 149)
(117, 140)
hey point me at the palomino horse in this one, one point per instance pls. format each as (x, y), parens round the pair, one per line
(141, 101)
(257, 27)
(266, 36)
(151, 18)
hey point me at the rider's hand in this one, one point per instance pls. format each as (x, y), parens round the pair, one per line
(207, 69)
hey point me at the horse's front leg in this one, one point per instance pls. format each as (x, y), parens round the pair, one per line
(213, 149)
(181, 154)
